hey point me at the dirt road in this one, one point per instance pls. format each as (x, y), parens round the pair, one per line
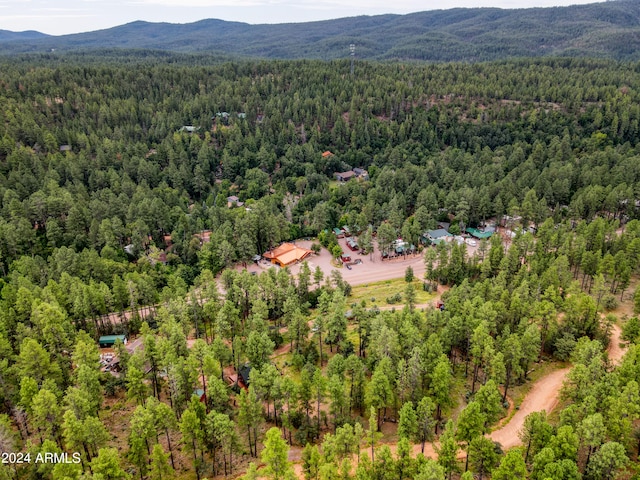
(615, 351)
(544, 396)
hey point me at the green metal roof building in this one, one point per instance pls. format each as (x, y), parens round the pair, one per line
(107, 341)
(474, 232)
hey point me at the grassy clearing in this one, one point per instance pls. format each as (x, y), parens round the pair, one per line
(376, 294)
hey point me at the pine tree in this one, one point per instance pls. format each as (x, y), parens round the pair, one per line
(470, 425)
(448, 450)
(512, 467)
(160, 468)
(275, 454)
(106, 465)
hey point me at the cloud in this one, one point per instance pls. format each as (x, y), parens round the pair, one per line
(35, 16)
(354, 4)
(57, 9)
(202, 3)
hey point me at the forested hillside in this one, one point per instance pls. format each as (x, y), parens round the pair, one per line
(609, 29)
(134, 194)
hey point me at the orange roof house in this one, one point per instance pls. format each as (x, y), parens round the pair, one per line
(287, 254)
(326, 154)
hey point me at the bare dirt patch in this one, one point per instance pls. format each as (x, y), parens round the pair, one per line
(543, 396)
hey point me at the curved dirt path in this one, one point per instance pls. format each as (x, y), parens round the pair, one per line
(544, 396)
(615, 351)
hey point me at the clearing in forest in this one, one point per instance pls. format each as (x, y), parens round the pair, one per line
(377, 293)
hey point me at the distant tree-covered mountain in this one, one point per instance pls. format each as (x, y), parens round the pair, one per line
(7, 36)
(610, 29)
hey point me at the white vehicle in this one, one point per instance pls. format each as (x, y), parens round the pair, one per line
(471, 242)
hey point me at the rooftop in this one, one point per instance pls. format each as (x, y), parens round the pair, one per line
(474, 232)
(287, 253)
(439, 233)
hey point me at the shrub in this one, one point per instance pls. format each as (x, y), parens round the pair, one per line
(609, 302)
(396, 298)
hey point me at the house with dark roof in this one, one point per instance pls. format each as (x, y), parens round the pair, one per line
(361, 173)
(244, 373)
(437, 236)
(345, 176)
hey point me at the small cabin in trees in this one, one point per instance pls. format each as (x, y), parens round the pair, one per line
(352, 244)
(234, 201)
(361, 173)
(437, 236)
(199, 392)
(243, 375)
(345, 176)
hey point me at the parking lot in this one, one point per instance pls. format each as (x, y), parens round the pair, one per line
(372, 269)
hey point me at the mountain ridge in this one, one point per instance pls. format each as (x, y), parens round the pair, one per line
(8, 35)
(609, 29)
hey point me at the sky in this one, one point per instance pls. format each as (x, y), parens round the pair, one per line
(60, 17)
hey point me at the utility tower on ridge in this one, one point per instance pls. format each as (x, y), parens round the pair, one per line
(352, 48)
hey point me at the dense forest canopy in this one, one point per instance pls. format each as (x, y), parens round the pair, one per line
(115, 187)
(433, 136)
